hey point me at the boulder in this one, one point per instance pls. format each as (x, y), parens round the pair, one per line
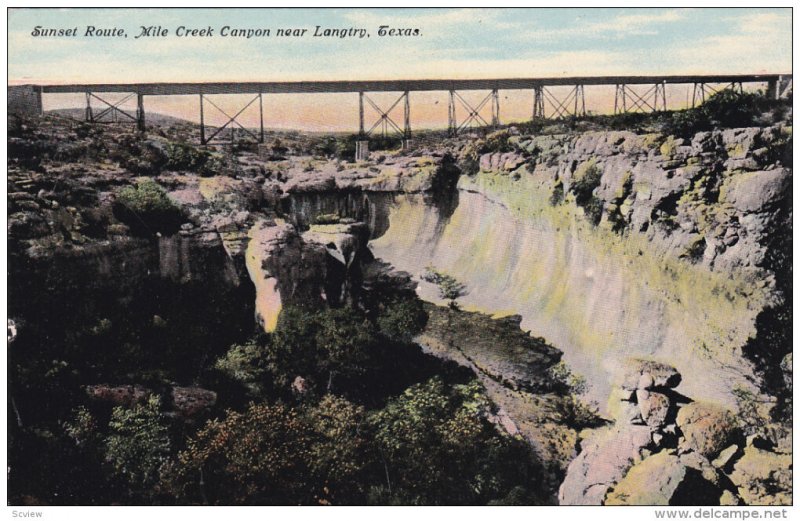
(756, 191)
(604, 460)
(654, 407)
(727, 456)
(191, 401)
(648, 374)
(124, 395)
(763, 477)
(706, 428)
(663, 479)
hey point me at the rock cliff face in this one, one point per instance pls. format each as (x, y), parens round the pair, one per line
(612, 244)
(320, 265)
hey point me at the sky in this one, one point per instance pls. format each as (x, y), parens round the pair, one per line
(452, 43)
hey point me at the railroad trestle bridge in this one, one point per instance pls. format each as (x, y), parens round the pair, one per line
(550, 101)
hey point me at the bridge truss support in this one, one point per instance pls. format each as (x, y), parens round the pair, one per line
(573, 104)
(626, 99)
(473, 113)
(231, 120)
(111, 109)
(385, 123)
(701, 90)
(780, 88)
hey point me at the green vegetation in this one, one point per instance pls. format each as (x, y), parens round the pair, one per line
(146, 208)
(437, 449)
(449, 288)
(184, 157)
(402, 319)
(584, 182)
(428, 446)
(138, 444)
(724, 109)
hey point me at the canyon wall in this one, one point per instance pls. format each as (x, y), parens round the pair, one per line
(664, 256)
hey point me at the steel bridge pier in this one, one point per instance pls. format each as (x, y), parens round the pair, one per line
(573, 104)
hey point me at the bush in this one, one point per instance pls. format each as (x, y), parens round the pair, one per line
(449, 288)
(401, 320)
(181, 156)
(437, 448)
(138, 444)
(724, 109)
(586, 178)
(496, 142)
(147, 209)
(323, 346)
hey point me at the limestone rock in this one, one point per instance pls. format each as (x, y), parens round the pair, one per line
(663, 479)
(706, 428)
(726, 457)
(654, 407)
(342, 241)
(604, 460)
(651, 374)
(764, 477)
(729, 499)
(191, 401)
(125, 395)
(756, 191)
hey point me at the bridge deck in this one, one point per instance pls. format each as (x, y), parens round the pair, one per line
(175, 89)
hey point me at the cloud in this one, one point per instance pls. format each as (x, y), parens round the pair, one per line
(757, 43)
(429, 19)
(617, 27)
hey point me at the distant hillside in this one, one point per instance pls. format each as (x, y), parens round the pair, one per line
(152, 118)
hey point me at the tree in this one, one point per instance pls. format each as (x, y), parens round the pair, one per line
(247, 364)
(345, 340)
(255, 457)
(273, 454)
(437, 448)
(402, 319)
(449, 288)
(339, 456)
(321, 345)
(138, 444)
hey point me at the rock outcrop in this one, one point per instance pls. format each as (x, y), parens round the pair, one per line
(670, 452)
(186, 402)
(292, 267)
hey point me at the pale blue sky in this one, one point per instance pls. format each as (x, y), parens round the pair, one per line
(453, 42)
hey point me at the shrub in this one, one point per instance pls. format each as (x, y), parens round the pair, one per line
(449, 288)
(323, 346)
(246, 364)
(586, 178)
(496, 142)
(402, 319)
(138, 444)
(181, 156)
(726, 108)
(147, 209)
(557, 197)
(437, 448)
